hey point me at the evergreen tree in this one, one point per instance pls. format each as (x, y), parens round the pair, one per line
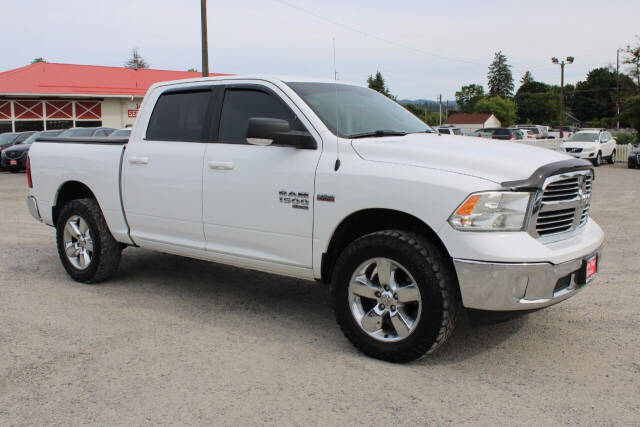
(527, 78)
(500, 77)
(38, 59)
(633, 60)
(378, 84)
(136, 60)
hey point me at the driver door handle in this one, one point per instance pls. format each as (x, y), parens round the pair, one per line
(216, 165)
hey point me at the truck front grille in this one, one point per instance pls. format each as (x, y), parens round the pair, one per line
(563, 205)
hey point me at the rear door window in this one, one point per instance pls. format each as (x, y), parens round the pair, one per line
(179, 116)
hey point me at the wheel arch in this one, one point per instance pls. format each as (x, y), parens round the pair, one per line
(367, 221)
(68, 191)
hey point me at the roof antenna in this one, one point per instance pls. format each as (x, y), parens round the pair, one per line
(335, 83)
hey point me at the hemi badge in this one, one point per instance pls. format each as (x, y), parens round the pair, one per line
(326, 198)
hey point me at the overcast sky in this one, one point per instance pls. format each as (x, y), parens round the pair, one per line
(423, 48)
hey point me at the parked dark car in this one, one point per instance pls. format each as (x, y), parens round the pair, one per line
(14, 158)
(84, 132)
(634, 158)
(505, 133)
(11, 138)
(121, 133)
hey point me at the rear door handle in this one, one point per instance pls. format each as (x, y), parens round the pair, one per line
(220, 165)
(139, 160)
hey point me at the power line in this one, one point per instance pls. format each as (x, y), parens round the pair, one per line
(382, 39)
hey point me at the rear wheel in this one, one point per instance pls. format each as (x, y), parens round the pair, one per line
(86, 248)
(395, 296)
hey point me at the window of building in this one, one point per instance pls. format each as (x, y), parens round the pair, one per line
(25, 125)
(59, 124)
(88, 123)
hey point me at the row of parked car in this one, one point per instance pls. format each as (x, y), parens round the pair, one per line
(595, 145)
(14, 146)
(514, 132)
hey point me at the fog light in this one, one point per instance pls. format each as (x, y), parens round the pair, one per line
(520, 288)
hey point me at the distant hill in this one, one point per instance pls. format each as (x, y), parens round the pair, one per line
(429, 104)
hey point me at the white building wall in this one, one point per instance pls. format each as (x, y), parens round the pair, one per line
(493, 122)
(119, 112)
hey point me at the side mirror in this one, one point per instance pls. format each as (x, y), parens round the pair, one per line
(267, 131)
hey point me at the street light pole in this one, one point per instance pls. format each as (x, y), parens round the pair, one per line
(562, 63)
(618, 88)
(205, 45)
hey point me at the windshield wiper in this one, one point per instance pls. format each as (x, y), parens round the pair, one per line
(377, 134)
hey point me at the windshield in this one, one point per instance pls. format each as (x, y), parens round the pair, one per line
(121, 133)
(32, 138)
(6, 138)
(585, 137)
(361, 111)
(77, 132)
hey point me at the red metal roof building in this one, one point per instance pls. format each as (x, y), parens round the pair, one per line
(54, 96)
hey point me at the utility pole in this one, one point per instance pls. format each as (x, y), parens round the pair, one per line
(618, 88)
(205, 45)
(440, 114)
(562, 63)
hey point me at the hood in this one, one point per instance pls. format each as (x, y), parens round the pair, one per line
(579, 144)
(17, 148)
(490, 159)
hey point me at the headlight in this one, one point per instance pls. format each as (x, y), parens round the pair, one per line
(492, 211)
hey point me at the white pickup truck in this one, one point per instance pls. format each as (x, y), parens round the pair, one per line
(332, 182)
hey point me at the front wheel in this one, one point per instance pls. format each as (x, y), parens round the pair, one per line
(86, 247)
(598, 160)
(395, 296)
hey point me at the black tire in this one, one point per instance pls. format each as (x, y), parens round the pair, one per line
(612, 158)
(436, 282)
(105, 258)
(14, 170)
(598, 160)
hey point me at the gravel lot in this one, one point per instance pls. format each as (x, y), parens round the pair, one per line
(174, 340)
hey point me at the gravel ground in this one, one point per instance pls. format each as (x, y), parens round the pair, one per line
(174, 340)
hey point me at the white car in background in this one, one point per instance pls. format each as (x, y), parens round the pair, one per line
(593, 145)
(528, 134)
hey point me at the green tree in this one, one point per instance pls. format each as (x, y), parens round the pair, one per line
(503, 109)
(595, 98)
(631, 112)
(377, 83)
(192, 70)
(500, 77)
(632, 58)
(537, 103)
(527, 78)
(38, 59)
(136, 60)
(468, 97)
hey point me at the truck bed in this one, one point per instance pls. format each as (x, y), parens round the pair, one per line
(94, 161)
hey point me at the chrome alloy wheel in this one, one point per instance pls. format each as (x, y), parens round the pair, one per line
(78, 244)
(384, 299)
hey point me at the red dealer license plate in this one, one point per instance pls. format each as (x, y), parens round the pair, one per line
(13, 162)
(592, 268)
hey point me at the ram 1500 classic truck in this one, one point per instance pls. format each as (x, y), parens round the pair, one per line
(327, 181)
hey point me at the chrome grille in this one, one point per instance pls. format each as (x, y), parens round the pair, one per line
(563, 204)
(13, 154)
(573, 150)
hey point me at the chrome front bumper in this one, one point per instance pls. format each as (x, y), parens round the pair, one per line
(32, 207)
(523, 286)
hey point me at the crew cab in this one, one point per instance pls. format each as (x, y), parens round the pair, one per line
(593, 145)
(330, 182)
